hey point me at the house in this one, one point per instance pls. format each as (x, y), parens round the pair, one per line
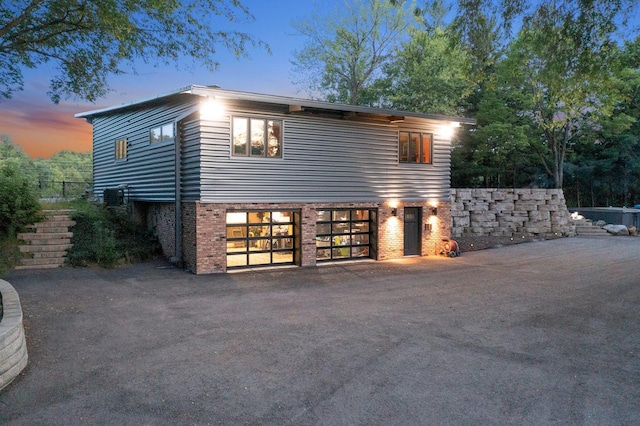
(231, 179)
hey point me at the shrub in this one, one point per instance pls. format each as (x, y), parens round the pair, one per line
(9, 254)
(108, 236)
(19, 205)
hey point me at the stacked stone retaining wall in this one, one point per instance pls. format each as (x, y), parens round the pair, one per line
(509, 213)
(13, 346)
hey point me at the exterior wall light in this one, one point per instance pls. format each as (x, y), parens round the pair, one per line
(394, 212)
(434, 211)
(449, 130)
(211, 109)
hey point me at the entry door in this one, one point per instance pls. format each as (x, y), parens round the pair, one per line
(412, 218)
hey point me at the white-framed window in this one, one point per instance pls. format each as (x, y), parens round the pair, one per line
(415, 147)
(121, 149)
(256, 137)
(162, 133)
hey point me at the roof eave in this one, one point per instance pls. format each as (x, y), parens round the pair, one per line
(208, 91)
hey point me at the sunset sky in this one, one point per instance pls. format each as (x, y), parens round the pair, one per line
(42, 128)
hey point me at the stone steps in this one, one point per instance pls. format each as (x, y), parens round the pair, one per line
(586, 228)
(46, 245)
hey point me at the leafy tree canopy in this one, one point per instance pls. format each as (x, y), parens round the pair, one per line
(90, 40)
(429, 74)
(346, 48)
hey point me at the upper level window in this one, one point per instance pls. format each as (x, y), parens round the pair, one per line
(415, 147)
(121, 149)
(161, 133)
(257, 137)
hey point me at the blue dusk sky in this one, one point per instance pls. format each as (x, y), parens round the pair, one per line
(42, 128)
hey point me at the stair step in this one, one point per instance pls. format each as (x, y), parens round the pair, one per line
(47, 254)
(30, 236)
(46, 241)
(37, 266)
(53, 224)
(45, 248)
(51, 230)
(42, 261)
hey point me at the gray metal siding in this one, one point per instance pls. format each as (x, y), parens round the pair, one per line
(190, 155)
(324, 160)
(149, 169)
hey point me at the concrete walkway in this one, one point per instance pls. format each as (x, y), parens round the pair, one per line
(539, 333)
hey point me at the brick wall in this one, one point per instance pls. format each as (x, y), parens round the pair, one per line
(160, 219)
(204, 231)
(508, 212)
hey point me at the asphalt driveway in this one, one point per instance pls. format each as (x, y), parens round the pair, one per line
(539, 333)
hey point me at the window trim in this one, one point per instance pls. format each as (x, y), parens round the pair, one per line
(265, 137)
(121, 149)
(423, 137)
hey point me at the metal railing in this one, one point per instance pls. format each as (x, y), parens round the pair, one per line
(66, 190)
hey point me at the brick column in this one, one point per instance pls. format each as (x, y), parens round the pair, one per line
(308, 217)
(204, 238)
(390, 233)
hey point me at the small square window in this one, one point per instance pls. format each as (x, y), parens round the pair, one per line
(167, 132)
(155, 135)
(121, 149)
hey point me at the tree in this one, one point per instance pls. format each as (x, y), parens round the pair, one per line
(604, 168)
(428, 74)
(90, 40)
(346, 49)
(561, 71)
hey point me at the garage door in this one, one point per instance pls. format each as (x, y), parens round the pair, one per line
(345, 234)
(257, 238)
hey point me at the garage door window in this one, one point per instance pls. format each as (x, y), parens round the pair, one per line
(344, 234)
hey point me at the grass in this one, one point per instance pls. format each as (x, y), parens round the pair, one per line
(9, 254)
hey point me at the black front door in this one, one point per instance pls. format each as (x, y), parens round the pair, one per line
(412, 219)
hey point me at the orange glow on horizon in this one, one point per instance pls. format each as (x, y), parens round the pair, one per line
(43, 132)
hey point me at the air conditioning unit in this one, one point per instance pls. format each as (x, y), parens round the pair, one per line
(113, 197)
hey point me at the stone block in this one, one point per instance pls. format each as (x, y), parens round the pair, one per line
(540, 195)
(483, 216)
(548, 207)
(502, 207)
(461, 221)
(483, 194)
(477, 207)
(499, 195)
(459, 213)
(525, 206)
(463, 195)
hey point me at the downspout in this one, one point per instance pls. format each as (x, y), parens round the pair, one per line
(177, 258)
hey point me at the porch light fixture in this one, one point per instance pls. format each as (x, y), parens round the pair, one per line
(434, 211)
(394, 212)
